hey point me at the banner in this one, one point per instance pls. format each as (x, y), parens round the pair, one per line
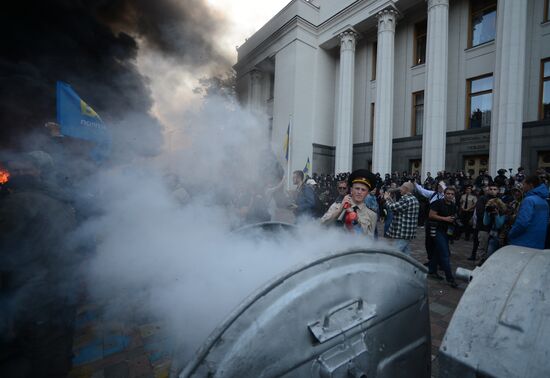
(77, 119)
(307, 168)
(286, 144)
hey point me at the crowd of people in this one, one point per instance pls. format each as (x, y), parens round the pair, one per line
(509, 209)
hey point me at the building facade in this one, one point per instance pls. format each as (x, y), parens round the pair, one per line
(404, 85)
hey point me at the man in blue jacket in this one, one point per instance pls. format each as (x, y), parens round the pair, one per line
(529, 229)
(305, 196)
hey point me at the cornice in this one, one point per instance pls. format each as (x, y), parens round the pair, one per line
(293, 23)
(314, 30)
(355, 7)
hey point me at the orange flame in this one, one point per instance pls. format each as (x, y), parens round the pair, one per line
(4, 175)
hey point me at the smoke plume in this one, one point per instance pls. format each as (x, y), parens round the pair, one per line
(93, 45)
(181, 262)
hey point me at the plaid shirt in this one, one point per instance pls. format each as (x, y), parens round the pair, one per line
(405, 217)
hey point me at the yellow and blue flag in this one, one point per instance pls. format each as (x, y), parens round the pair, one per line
(78, 120)
(286, 144)
(307, 168)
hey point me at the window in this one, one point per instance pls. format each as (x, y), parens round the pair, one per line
(483, 21)
(480, 102)
(420, 43)
(546, 11)
(374, 57)
(545, 90)
(372, 122)
(417, 113)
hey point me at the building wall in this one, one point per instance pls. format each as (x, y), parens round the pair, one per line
(538, 48)
(307, 75)
(305, 87)
(283, 101)
(323, 117)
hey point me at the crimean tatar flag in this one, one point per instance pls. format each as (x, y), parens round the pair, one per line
(307, 168)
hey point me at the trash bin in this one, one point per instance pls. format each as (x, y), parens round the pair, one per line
(358, 313)
(501, 327)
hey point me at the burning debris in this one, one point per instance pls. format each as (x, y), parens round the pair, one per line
(4, 175)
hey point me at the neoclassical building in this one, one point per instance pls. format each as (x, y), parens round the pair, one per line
(404, 84)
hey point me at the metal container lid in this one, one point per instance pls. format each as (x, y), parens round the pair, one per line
(318, 306)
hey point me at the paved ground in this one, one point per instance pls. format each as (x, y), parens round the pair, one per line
(443, 298)
(106, 349)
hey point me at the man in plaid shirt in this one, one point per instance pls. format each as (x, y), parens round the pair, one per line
(405, 217)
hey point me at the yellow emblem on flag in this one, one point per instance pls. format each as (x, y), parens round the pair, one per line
(87, 110)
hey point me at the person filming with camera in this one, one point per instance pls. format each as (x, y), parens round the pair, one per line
(443, 214)
(405, 217)
(494, 218)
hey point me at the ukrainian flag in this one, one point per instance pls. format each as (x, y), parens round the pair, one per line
(307, 168)
(286, 144)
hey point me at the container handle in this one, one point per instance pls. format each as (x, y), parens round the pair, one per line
(341, 306)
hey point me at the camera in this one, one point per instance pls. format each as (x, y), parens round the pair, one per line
(491, 208)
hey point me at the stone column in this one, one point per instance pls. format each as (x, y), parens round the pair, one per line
(383, 113)
(344, 122)
(507, 113)
(255, 98)
(435, 94)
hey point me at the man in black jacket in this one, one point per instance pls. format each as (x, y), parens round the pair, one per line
(443, 212)
(483, 179)
(501, 179)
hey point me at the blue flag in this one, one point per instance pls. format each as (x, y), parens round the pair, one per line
(78, 120)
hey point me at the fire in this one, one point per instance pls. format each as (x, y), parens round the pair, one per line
(4, 175)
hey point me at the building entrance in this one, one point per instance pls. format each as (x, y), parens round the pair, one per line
(415, 165)
(544, 160)
(473, 164)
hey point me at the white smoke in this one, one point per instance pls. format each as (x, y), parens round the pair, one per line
(183, 263)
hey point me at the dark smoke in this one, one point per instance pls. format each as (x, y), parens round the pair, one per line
(93, 45)
(183, 29)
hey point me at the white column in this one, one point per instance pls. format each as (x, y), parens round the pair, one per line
(344, 122)
(507, 113)
(435, 94)
(383, 113)
(255, 99)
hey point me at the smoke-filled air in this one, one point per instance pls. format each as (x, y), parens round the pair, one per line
(167, 231)
(155, 229)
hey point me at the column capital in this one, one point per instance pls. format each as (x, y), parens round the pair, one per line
(434, 3)
(387, 19)
(347, 40)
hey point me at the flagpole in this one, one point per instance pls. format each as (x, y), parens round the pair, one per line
(289, 174)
